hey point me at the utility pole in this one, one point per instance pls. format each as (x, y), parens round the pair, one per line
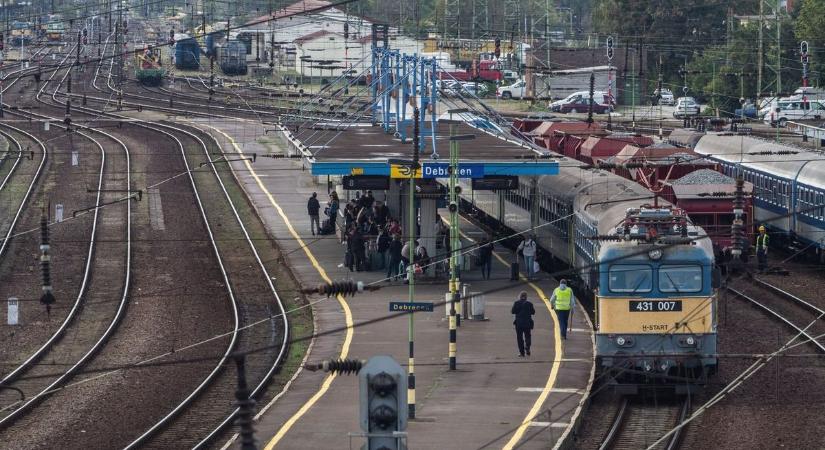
(778, 49)
(455, 245)
(411, 222)
(759, 56)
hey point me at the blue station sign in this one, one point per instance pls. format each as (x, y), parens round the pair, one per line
(437, 169)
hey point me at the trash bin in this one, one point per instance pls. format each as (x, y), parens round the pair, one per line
(477, 303)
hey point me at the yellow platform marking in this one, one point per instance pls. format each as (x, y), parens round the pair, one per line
(347, 313)
(557, 360)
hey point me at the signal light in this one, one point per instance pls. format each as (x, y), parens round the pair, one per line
(383, 398)
(498, 48)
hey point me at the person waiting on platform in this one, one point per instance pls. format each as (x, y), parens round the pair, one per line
(395, 257)
(313, 208)
(485, 258)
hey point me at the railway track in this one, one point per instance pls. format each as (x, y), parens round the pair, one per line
(259, 317)
(101, 301)
(801, 316)
(638, 424)
(14, 179)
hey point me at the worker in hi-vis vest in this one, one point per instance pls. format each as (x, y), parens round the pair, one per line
(762, 242)
(563, 302)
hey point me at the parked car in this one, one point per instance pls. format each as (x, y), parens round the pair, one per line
(666, 97)
(794, 110)
(477, 89)
(582, 105)
(686, 107)
(599, 97)
(515, 90)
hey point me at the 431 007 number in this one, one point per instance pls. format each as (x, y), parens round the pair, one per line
(655, 305)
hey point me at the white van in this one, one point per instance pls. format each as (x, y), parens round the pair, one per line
(786, 110)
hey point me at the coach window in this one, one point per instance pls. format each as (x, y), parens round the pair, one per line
(680, 279)
(630, 278)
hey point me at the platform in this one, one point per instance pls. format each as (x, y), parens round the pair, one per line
(494, 398)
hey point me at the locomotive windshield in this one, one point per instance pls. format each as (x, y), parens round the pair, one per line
(680, 279)
(632, 278)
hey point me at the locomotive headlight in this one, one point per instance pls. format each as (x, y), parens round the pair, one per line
(655, 254)
(621, 340)
(690, 341)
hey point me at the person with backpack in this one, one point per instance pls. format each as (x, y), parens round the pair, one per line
(528, 248)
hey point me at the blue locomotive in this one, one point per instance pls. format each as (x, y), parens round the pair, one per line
(187, 54)
(232, 58)
(648, 270)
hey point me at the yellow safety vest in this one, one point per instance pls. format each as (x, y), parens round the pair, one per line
(761, 241)
(563, 298)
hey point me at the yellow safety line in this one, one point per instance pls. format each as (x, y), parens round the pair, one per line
(347, 313)
(554, 371)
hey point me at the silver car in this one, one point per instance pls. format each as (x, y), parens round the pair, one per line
(686, 107)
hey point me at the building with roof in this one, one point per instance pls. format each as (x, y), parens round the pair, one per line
(325, 43)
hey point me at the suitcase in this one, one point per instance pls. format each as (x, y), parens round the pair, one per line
(514, 271)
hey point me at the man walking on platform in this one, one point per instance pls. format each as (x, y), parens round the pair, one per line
(762, 242)
(563, 302)
(523, 311)
(313, 208)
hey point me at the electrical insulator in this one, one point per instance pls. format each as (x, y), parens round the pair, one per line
(344, 288)
(337, 366)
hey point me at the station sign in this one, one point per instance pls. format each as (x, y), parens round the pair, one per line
(495, 183)
(442, 170)
(402, 171)
(366, 182)
(411, 307)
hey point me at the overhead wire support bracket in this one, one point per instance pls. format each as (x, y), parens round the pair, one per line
(135, 194)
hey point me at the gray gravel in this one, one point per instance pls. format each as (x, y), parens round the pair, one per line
(705, 176)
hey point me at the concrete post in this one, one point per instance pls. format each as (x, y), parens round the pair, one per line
(429, 230)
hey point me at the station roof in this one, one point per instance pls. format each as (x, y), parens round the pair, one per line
(365, 142)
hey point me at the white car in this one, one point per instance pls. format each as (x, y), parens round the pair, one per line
(666, 98)
(786, 110)
(686, 107)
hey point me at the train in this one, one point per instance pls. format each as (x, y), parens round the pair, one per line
(789, 185)
(232, 58)
(21, 32)
(670, 170)
(148, 67)
(187, 53)
(649, 271)
(54, 33)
